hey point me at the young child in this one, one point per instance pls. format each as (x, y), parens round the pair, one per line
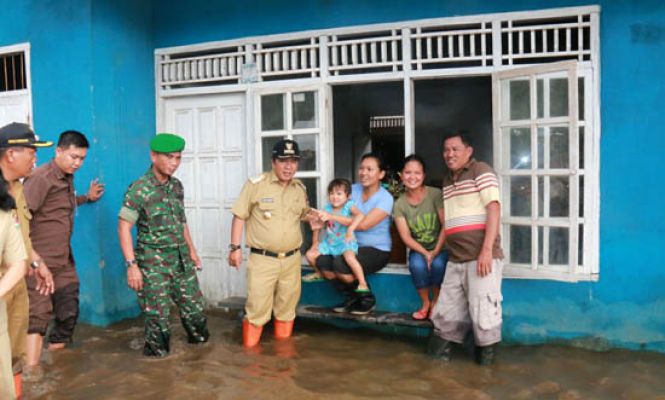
(340, 217)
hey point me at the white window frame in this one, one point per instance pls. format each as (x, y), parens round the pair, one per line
(219, 68)
(582, 266)
(25, 49)
(322, 171)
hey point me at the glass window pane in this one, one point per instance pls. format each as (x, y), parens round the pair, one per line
(580, 245)
(558, 252)
(308, 152)
(581, 196)
(559, 97)
(540, 245)
(304, 110)
(520, 101)
(311, 186)
(580, 98)
(559, 196)
(559, 147)
(267, 143)
(520, 148)
(541, 196)
(520, 244)
(541, 147)
(520, 196)
(540, 98)
(581, 148)
(272, 112)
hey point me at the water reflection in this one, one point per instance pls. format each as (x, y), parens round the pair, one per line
(323, 362)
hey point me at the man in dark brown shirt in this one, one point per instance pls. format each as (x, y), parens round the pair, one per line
(52, 200)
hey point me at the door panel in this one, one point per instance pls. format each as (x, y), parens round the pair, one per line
(213, 171)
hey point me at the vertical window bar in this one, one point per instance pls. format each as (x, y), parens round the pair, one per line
(533, 99)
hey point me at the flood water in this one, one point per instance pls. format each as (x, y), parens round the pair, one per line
(326, 362)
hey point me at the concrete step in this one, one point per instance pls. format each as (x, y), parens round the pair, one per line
(316, 312)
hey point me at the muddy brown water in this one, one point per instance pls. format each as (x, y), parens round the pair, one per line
(327, 362)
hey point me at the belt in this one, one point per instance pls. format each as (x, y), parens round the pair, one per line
(271, 254)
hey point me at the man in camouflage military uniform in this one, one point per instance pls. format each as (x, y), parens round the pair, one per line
(163, 267)
(272, 206)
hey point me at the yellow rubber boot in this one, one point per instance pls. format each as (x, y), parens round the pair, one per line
(283, 329)
(251, 334)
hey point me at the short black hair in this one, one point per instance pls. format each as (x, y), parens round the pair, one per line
(416, 158)
(72, 138)
(377, 157)
(462, 134)
(341, 183)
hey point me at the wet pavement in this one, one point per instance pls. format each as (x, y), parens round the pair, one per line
(326, 362)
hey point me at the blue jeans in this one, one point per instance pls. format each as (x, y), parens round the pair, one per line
(424, 277)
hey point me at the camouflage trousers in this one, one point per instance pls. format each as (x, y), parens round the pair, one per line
(169, 276)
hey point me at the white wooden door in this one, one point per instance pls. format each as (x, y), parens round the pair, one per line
(213, 171)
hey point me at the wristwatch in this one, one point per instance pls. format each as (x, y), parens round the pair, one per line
(234, 247)
(35, 264)
(129, 263)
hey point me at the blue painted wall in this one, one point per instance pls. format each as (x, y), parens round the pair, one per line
(625, 307)
(92, 70)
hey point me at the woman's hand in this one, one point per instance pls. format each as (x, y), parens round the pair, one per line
(349, 236)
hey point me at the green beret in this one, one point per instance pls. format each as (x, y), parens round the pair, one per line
(167, 143)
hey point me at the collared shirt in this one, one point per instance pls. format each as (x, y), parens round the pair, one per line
(158, 210)
(22, 215)
(272, 212)
(12, 249)
(52, 200)
(465, 198)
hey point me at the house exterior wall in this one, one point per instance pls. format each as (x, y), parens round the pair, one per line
(92, 70)
(624, 307)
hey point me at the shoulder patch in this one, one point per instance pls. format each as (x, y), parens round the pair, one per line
(257, 179)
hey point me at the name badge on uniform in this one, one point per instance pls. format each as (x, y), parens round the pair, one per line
(267, 200)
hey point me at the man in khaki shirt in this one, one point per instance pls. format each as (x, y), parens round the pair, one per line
(272, 207)
(18, 146)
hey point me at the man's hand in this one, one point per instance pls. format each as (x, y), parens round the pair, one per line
(134, 277)
(235, 258)
(95, 191)
(44, 277)
(195, 259)
(484, 264)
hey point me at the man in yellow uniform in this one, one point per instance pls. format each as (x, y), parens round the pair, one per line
(272, 206)
(18, 147)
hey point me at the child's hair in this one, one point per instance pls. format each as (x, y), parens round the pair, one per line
(341, 183)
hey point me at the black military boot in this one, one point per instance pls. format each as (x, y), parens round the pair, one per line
(485, 355)
(440, 348)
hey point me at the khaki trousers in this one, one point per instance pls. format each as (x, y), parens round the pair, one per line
(468, 301)
(17, 323)
(6, 375)
(273, 286)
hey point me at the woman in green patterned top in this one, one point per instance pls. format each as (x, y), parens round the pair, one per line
(418, 215)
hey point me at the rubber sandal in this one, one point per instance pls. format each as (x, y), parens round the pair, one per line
(420, 314)
(312, 277)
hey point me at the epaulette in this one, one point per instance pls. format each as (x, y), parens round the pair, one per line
(257, 179)
(299, 183)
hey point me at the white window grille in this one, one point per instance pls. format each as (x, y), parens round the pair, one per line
(13, 75)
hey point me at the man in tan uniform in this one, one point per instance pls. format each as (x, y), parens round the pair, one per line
(18, 146)
(272, 206)
(12, 253)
